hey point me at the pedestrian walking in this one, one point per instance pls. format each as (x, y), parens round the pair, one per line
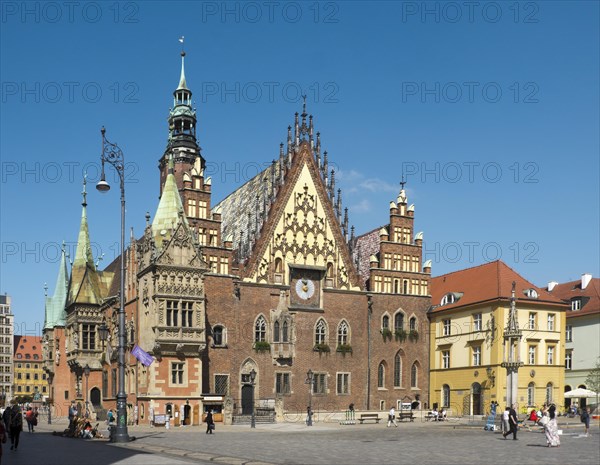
(505, 421)
(392, 418)
(309, 414)
(513, 422)
(31, 419)
(585, 419)
(6, 419)
(551, 429)
(16, 426)
(210, 423)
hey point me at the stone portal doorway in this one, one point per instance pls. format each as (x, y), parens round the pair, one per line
(247, 399)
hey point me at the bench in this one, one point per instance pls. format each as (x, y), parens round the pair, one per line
(430, 417)
(369, 416)
(406, 415)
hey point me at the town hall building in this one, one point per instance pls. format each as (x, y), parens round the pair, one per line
(266, 297)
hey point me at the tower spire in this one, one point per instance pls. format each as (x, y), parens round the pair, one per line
(182, 83)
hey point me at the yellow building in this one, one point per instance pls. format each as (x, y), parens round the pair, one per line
(468, 353)
(29, 376)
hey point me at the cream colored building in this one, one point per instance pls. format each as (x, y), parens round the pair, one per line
(467, 326)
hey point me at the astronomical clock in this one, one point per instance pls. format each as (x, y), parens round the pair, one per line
(305, 287)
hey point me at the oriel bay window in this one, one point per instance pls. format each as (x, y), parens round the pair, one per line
(88, 333)
(180, 313)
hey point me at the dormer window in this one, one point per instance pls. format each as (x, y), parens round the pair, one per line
(531, 293)
(576, 304)
(448, 299)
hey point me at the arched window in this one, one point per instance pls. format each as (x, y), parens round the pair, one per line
(413, 375)
(385, 322)
(412, 324)
(284, 332)
(278, 265)
(531, 394)
(398, 321)
(321, 332)
(276, 332)
(396, 286)
(445, 395)
(398, 370)
(342, 335)
(549, 388)
(218, 335)
(330, 270)
(381, 375)
(260, 330)
(405, 286)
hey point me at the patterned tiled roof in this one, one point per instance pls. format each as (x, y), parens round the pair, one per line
(366, 245)
(245, 210)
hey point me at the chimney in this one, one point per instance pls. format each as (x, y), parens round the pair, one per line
(552, 285)
(585, 280)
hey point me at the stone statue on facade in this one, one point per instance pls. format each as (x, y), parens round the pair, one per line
(57, 357)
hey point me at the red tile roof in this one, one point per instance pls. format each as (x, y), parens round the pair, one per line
(28, 345)
(572, 289)
(485, 283)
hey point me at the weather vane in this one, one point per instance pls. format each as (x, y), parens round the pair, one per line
(402, 182)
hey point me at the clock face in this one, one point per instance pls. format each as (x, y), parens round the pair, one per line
(305, 288)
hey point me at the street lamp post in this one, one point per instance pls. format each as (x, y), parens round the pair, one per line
(309, 380)
(86, 372)
(252, 380)
(111, 153)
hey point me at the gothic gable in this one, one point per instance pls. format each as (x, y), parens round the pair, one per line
(303, 231)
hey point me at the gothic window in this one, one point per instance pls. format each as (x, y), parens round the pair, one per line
(284, 332)
(405, 286)
(396, 286)
(397, 370)
(342, 335)
(321, 332)
(381, 375)
(385, 322)
(276, 332)
(398, 321)
(105, 384)
(260, 330)
(413, 375)
(218, 334)
(445, 396)
(278, 265)
(412, 324)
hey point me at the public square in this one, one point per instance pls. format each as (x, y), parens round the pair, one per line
(425, 443)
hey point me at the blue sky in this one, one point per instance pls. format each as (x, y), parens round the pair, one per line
(491, 111)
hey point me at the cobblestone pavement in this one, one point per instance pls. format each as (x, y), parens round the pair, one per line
(422, 443)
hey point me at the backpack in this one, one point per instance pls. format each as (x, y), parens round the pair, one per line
(16, 419)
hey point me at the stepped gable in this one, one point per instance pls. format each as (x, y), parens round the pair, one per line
(484, 283)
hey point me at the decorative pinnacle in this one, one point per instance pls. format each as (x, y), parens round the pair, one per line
(402, 183)
(304, 106)
(84, 192)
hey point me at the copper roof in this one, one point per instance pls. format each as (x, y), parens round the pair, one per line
(484, 283)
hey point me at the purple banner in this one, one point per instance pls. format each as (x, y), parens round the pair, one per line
(144, 357)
